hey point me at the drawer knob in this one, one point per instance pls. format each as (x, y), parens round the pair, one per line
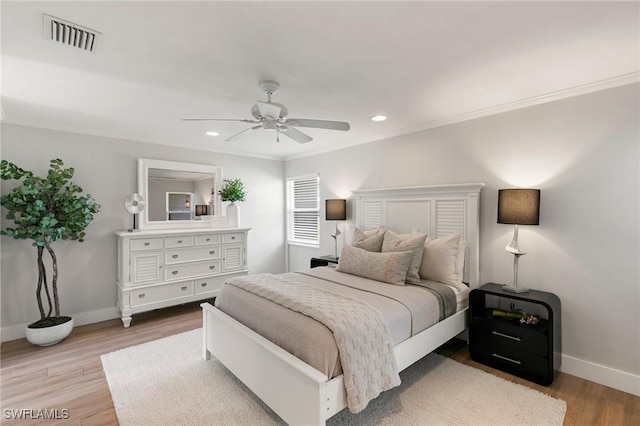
(212, 267)
(146, 244)
(179, 241)
(175, 256)
(506, 336)
(141, 295)
(174, 272)
(212, 252)
(203, 284)
(208, 239)
(233, 238)
(184, 288)
(515, 361)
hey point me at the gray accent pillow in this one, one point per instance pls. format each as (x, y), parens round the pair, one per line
(407, 242)
(368, 240)
(389, 267)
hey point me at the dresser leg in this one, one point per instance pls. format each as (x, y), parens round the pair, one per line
(126, 321)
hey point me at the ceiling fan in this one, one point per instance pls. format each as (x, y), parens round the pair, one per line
(274, 117)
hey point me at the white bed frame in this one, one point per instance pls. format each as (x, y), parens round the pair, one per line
(297, 392)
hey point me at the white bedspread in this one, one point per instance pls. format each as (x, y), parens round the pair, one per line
(362, 334)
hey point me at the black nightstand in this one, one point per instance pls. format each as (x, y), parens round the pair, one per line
(528, 351)
(323, 261)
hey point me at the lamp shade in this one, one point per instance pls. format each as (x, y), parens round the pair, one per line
(336, 209)
(519, 206)
(202, 209)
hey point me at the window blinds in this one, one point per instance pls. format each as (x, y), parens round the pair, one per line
(303, 200)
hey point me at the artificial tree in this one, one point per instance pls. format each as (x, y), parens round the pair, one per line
(46, 209)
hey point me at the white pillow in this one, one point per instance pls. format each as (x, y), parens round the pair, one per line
(441, 260)
(407, 242)
(389, 267)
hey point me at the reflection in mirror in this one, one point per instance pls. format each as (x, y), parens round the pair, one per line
(172, 191)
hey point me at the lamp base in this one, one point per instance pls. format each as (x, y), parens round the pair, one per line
(515, 289)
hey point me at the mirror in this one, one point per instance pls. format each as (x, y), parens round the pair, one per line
(173, 190)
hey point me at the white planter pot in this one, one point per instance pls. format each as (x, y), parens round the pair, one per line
(233, 215)
(49, 335)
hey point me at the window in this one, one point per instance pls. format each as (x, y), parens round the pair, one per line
(303, 210)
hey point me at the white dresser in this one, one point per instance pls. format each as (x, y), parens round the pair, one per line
(157, 269)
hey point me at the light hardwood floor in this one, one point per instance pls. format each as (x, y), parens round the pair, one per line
(69, 375)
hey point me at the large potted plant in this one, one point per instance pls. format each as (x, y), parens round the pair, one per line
(233, 191)
(44, 210)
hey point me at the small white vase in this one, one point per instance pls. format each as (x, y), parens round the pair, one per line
(233, 215)
(48, 336)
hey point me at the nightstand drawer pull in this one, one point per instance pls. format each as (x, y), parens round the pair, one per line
(175, 256)
(184, 288)
(497, 333)
(515, 361)
(212, 267)
(212, 252)
(141, 295)
(174, 272)
(203, 284)
(146, 244)
(179, 241)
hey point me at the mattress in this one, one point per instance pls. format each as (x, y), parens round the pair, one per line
(407, 309)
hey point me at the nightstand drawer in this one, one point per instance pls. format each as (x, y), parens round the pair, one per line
(524, 364)
(509, 335)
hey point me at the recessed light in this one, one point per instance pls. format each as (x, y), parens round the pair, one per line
(378, 118)
(213, 133)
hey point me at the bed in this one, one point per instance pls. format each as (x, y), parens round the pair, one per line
(303, 394)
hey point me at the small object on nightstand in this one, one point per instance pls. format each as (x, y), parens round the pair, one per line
(523, 344)
(324, 261)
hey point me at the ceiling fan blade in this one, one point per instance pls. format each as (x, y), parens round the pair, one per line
(319, 124)
(295, 134)
(237, 135)
(268, 110)
(220, 119)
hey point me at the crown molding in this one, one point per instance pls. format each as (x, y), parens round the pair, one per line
(583, 89)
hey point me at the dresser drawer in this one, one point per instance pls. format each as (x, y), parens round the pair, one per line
(184, 241)
(182, 271)
(207, 285)
(233, 238)
(208, 239)
(523, 364)
(163, 293)
(510, 335)
(192, 254)
(146, 244)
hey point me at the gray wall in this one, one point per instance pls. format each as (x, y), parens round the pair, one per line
(107, 169)
(583, 153)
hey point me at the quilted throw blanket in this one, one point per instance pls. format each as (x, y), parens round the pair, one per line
(361, 332)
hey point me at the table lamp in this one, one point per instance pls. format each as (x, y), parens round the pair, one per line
(518, 207)
(336, 209)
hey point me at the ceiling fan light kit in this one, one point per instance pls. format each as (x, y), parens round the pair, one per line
(272, 116)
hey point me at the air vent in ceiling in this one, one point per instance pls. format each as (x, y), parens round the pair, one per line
(71, 34)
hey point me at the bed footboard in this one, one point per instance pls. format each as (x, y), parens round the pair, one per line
(297, 392)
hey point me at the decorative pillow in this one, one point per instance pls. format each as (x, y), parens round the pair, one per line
(389, 267)
(370, 240)
(440, 261)
(407, 242)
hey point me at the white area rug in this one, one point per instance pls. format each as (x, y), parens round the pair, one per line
(166, 382)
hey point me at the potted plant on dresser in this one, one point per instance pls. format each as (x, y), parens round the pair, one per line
(233, 191)
(44, 210)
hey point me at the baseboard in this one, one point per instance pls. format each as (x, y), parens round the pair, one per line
(617, 379)
(17, 331)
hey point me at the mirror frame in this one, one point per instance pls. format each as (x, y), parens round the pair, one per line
(144, 164)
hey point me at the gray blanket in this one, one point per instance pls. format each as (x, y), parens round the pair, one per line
(361, 332)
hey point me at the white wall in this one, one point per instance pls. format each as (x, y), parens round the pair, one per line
(107, 169)
(583, 153)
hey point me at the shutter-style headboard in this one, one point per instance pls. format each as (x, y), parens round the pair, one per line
(436, 210)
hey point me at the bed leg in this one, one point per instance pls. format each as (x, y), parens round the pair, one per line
(206, 354)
